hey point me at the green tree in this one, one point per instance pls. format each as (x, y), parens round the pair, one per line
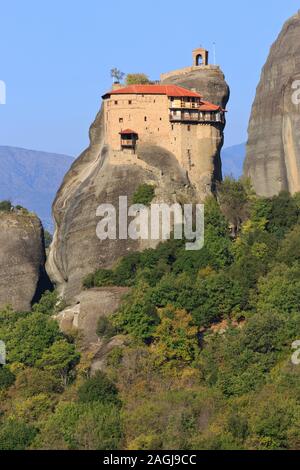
(48, 238)
(30, 337)
(137, 79)
(272, 421)
(289, 249)
(105, 328)
(175, 338)
(48, 304)
(16, 435)
(7, 378)
(99, 428)
(101, 278)
(254, 251)
(234, 203)
(137, 315)
(279, 291)
(284, 214)
(98, 388)
(126, 269)
(208, 300)
(6, 206)
(59, 359)
(81, 426)
(144, 194)
(219, 296)
(33, 381)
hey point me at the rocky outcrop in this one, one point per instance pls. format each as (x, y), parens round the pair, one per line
(101, 175)
(273, 150)
(22, 259)
(83, 318)
(208, 80)
(91, 305)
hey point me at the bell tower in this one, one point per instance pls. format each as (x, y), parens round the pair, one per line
(200, 57)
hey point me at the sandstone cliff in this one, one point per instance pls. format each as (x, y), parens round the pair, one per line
(99, 176)
(22, 259)
(273, 150)
(96, 178)
(207, 80)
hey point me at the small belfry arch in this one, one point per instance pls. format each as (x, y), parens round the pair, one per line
(200, 57)
(199, 60)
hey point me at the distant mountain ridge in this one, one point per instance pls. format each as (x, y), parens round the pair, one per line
(233, 160)
(31, 178)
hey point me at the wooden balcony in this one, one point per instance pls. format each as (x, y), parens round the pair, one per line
(128, 143)
(198, 117)
(184, 105)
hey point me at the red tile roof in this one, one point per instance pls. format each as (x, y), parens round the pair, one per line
(207, 106)
(128, 131)
(169, 90)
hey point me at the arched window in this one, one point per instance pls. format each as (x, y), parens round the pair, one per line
(199, 60)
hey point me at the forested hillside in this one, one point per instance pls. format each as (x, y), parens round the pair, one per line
(206, 360)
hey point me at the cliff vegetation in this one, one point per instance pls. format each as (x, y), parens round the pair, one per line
(206, 356)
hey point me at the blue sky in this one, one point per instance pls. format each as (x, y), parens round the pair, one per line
(55, 57)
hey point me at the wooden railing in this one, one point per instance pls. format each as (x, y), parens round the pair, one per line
(187, 105)
(184, 105)
(127, 142)
(198, 117)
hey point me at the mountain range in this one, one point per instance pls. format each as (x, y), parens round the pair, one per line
(233, 160)
(31, 178)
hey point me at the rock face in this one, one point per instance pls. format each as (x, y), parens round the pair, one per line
(22, 260)
(100, 176)
(208, 80)
(273, 150)
(92, 305)
(83, 317)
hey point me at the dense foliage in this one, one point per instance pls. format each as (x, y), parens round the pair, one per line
(144, 194)
(137, 79)
(7, 206)
(48, 238)
(47, 399)
(204, 357)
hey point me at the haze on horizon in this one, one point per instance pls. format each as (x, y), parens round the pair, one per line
(56, 58)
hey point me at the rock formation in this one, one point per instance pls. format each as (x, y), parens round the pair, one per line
(98, 176)
(92, 305)
(208, 80)
(83, 318)
(273, 150)
(22, 259)
(95, 179)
